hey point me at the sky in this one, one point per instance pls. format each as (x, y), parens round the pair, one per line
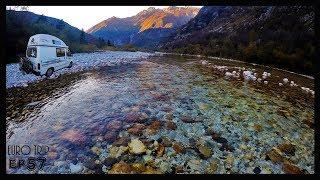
(84, 17)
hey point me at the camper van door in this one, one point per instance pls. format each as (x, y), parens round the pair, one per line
(61, 55)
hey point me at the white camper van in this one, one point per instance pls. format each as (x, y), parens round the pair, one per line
(45, 54)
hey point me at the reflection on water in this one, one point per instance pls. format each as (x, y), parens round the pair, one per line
(168, 117)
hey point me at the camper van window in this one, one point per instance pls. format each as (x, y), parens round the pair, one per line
(69, 52)
(32, 52)
(56, 42)
(60, 52)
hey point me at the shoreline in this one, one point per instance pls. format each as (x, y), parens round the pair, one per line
(229, 59)
(82, 61)
(115, 57)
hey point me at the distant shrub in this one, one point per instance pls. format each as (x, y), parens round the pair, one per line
(129, 47)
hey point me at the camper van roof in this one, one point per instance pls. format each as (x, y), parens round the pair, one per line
(45, 40)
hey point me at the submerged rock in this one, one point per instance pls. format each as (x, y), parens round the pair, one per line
(136, 147)
(309, 122)
(257, 127)
(154, 127)
(52, 154)
(150, 170)
(114, 125)
(116, 152)
(287, 148)
(74, 136)
(148, 159)
(121, 141)
(166, 141)
(230, 160)
(216, 137)
(138, 167)
(284, 113)
(109, 161)
(203, 106)
(91, 164)
(212, 167)
(159, 97)
(178, 148)
(75, 168)
(205, 152)
(160, 150)
(171, 125)
(96, 150)
(289, 168)
(257, 170)
(136, 117)
(226, 147)
(111, 136)
(165, 167)
(274, 156)
(194, 165)
(120, 168)
(137, 129)
(188, 119)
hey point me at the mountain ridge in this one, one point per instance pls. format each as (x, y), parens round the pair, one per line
(272, 35)
(121, 30)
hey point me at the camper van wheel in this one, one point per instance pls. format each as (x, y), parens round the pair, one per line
(70, 65)
(49, 72)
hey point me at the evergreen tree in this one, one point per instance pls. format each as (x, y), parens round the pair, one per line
(101, 42)
(60, 25)
(82, 37)
(42, 19)
(252, 36)
(109, 43)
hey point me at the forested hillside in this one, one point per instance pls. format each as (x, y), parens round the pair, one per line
(279, 36)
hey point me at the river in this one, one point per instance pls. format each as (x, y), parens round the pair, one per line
(170, 114)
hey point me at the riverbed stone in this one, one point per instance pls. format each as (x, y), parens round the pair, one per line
(194, 165)
(116, 152)
(74, 136)
(160, 150)
(178, 147)
(137, 129)
(257, 127)
(290, 168)
(212, 167)
(111, 136)
(151, 170)
(138, 167)
(120, 168)
(153, 127)
(136, 147)
(205, 152)
(274, 155)
(109, 161)
(139, 117)
(96, 150)
(188, 119)
(121, 141)
(167, 142)
(229, 160)
(287, 148)
(114, 125)
(75, 168)
(171, 125)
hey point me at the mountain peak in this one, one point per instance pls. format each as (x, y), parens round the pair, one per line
(122, 30)
(151, 9)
